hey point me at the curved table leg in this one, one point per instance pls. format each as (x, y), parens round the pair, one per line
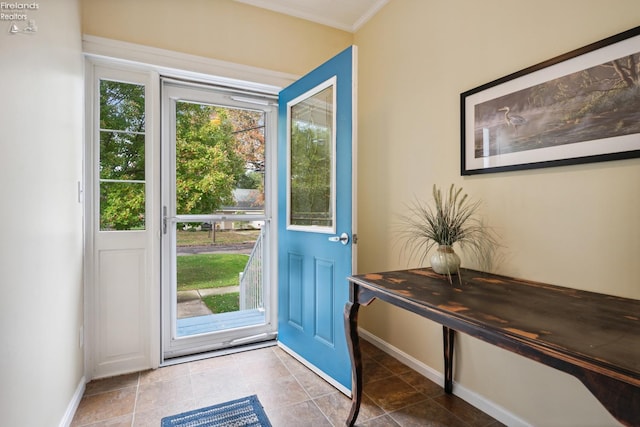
(353, 342)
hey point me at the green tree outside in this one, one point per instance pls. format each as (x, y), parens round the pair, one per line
(311, 154)
(217, 150)
(122, 162)
(208, 166)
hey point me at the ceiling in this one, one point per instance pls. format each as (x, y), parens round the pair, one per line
(347, 15)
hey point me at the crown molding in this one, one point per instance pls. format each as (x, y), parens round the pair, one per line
(298, 12)
(369, 14)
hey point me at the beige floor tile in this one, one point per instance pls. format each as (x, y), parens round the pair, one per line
(164, 374)
(112, 383)
(282, 392)
(216, 386)
(314, 385)
(162, 393)
(369, 350)
(103, 406)
(153, 417)
(292, 395)
(123, 421)
(262, 370)
(426, 414)
(392, 393)
(422, 384)
(301, 414)
(373, 371)
(383, 421)
(468, 413)
(392, 364)
(211, 363)
(336, 408)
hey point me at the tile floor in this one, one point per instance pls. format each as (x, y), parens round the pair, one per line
(291, 394)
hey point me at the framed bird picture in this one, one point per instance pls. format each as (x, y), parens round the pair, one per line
(583, 106)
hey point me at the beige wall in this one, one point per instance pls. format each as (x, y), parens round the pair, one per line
(576, 226)
(220, 29)
(41, 81)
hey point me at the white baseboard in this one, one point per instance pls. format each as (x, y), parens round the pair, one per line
(73, 404)
(469, 396)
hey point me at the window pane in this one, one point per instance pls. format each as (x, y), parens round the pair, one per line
(122, 156)
(121, 106)
(219, 160)
(121, 206)
(311, 160)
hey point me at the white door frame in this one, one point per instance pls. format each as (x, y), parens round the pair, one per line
(150, 63)
(172, 91)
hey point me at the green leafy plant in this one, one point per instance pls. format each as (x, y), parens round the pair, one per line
(450, 219)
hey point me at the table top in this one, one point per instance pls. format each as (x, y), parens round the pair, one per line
(597, 329)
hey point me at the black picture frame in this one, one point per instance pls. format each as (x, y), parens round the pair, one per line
(579, 107)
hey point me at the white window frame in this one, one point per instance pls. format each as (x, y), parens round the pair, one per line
(332, 82)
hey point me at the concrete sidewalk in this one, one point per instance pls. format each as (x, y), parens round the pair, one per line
(190, 302)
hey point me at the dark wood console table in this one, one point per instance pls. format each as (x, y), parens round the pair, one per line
(594, 337)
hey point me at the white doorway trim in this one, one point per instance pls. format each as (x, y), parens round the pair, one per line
(117, 55)
(260, 325)
(181, 65)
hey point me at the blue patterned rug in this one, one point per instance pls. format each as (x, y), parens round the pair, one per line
(245, 412)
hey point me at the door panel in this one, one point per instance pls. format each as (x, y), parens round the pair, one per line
(119, 223)
(315, 185)
(215, 220)
(325, 291)
(294, 272)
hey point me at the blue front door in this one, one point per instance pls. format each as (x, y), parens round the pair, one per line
(316, 215)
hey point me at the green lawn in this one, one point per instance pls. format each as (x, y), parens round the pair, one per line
(223, 303)
(204, 271)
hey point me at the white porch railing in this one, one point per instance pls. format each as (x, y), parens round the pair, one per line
(251, 278)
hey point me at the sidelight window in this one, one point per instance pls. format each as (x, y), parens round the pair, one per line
(122, 156)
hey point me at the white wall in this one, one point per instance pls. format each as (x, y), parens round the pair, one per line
(41, 122)
(574, 226)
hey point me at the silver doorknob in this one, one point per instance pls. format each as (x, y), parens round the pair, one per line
(343, 238)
